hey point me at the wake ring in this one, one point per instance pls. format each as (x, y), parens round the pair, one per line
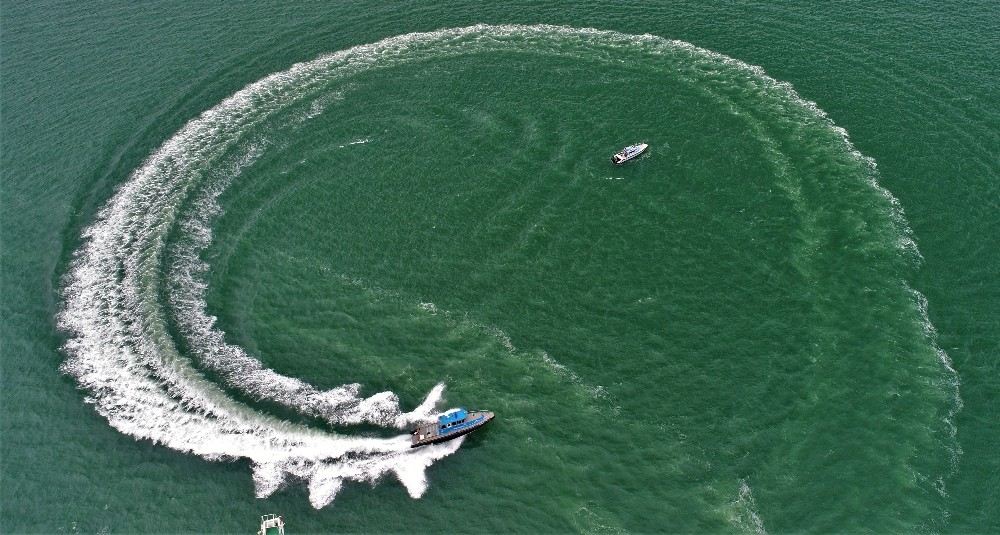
(121, 353)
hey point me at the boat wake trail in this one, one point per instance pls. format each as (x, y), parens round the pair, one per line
(134, 297)
(121, 350)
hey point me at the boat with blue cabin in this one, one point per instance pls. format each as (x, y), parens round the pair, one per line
(629, 153)
(450, 424)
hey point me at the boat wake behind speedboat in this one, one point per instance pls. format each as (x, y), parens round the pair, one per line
(629, 153)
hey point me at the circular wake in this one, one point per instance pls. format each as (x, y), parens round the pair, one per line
(132, 352)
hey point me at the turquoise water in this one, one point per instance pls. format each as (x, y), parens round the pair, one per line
(245, 249)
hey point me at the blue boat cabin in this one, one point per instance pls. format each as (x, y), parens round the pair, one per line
(451, 418)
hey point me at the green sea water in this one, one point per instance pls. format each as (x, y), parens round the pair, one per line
(241, 243)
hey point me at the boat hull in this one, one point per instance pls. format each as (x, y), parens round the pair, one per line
(429, 434)
(629, 153)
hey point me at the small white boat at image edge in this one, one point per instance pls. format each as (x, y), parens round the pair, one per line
(630, 152)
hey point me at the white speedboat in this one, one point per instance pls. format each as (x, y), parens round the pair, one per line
(629, 153)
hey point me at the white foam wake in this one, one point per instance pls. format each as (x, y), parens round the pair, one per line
(745, 514)
(120, 351)
(120, 348)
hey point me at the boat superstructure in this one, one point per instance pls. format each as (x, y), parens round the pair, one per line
(451, 424)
